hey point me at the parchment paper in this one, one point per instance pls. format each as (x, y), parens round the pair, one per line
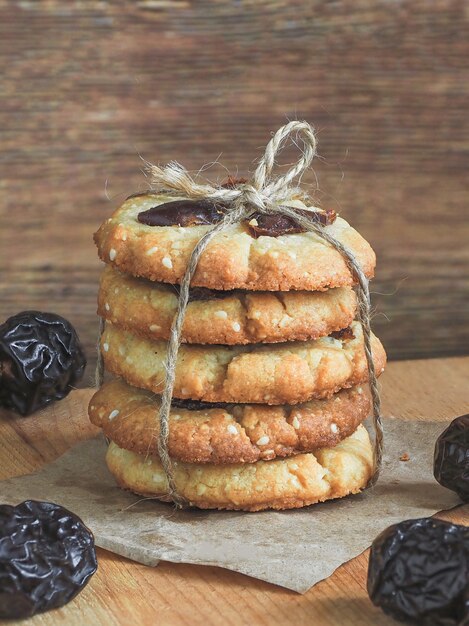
(294, 549)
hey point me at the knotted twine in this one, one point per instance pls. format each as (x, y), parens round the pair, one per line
(263, 194)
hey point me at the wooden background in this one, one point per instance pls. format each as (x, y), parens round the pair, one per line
(88, 86)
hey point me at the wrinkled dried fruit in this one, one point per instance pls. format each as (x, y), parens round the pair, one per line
(419, 571)
(47, 556)
(344, 334)
(275, 225)
(203, 294)
(451, 459)
(41, 359)
(198, 405)
(183, 213)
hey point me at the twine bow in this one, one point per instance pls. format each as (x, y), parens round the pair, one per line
(263, 194)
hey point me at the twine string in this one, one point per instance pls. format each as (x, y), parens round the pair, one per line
(264, 194)
(99, 371)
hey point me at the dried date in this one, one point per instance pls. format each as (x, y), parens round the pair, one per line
(451, 458)
(183, 213)
(41, 360)
(419, 572)
(47, 556)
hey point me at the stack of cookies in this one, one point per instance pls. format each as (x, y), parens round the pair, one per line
(270, 391)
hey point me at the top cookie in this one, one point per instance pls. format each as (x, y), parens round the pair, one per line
(234, 259)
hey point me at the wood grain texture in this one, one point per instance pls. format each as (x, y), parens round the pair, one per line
(126, 593)
(87, 87)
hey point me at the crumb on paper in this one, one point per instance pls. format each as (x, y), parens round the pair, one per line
(404, 457)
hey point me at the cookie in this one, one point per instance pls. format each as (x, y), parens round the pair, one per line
(218, 317)
(286, 373)
(234, 259)
(281, 484)
(230, 433)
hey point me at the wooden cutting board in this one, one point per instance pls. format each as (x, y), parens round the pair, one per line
(125, 593)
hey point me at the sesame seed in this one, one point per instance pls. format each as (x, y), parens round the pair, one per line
(334, 428)
(116, 290)
(295, 423)
(167, 262)
(113, 414)
(292, 254)
(263, 441)
(124, 237)
(107, 307)
(184, 391)
(106, 347)
(156, 478)
(360, 390)
(236, 327)
(151, 251)
(201, 489)
(223, 315)
(148, 461)
(284, 321)
(176, 417)
(121, 350)
(232, 429)
(253, 222)
(155, 327)
(129, 360)
(112, 254)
